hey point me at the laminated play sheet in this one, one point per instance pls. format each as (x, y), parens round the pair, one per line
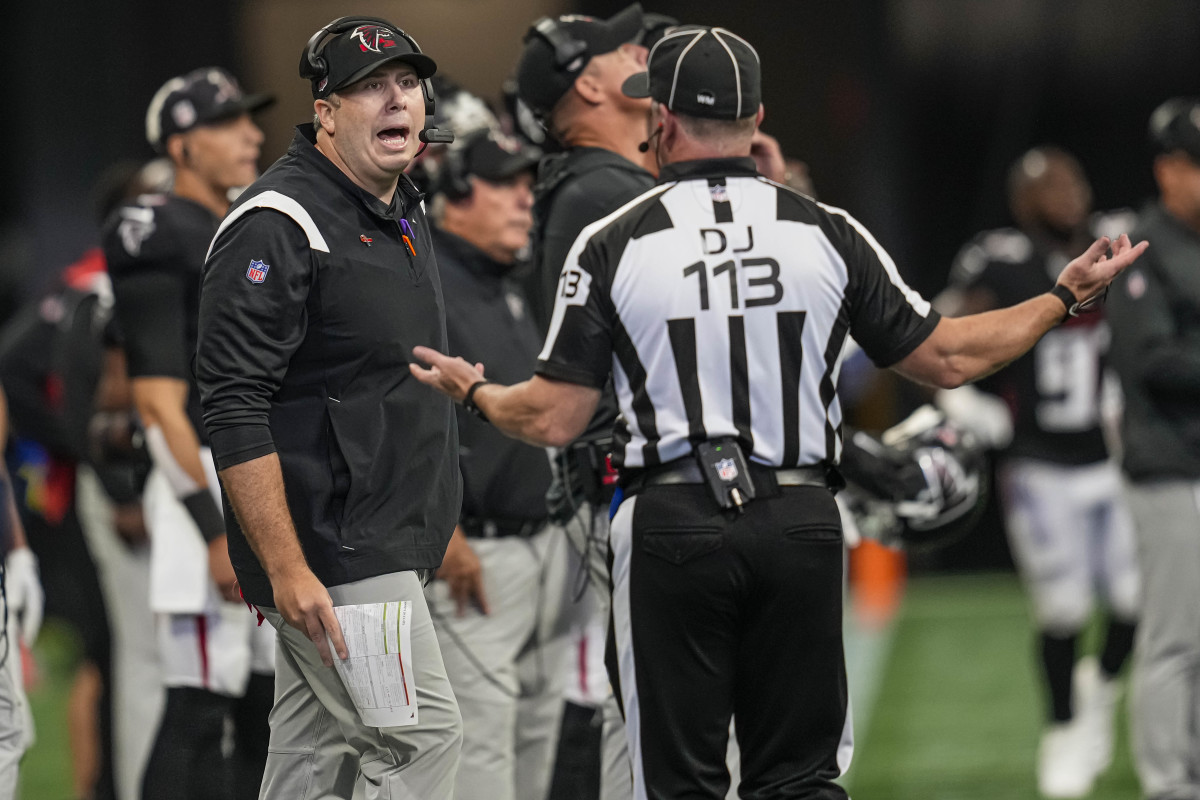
(379, 671)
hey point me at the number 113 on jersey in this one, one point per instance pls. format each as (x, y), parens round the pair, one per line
(763, 287)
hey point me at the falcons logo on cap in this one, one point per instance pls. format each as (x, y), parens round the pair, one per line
(372, 38)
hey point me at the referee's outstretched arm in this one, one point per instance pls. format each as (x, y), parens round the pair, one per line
(541, 411)
(548, 412)
(964, 349)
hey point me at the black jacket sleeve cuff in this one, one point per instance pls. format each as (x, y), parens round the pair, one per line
(234, 445)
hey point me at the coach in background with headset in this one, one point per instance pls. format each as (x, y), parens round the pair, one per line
(727, 549)
(501, 599)
(1154, 313)
(341, 472)
(570, 77)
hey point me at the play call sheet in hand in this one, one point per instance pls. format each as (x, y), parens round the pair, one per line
(379, 672)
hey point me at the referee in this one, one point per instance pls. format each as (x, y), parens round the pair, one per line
(720, 302)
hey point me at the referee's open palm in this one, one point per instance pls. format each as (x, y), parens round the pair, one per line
(1092, 272)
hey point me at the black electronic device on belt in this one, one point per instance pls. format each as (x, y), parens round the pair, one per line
(726, 472)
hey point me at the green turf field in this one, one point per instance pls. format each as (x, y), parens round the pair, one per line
(955, 712)
(958, 710)
(46, 768)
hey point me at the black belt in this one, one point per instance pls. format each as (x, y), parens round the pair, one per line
(487, 528)
(686, 471)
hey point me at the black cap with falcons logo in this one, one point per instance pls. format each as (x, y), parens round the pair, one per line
(355, 53)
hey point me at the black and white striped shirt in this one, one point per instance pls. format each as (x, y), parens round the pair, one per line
(721, 301)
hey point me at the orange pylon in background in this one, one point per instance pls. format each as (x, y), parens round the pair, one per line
(877, 577)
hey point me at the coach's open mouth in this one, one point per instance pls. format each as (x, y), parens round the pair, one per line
(394, 138)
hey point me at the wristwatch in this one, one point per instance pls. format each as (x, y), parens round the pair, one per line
(1077, 307)
(469, 400)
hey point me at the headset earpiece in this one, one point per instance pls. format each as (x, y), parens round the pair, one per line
(566, 49)
(455, 183)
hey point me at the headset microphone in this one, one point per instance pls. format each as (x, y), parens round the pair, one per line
(436, 136)
(644, 147)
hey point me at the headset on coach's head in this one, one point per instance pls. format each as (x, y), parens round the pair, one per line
(566, 48)
(454, 182)
(314, 68)
(454, 179)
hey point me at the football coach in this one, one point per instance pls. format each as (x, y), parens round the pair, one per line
(341, 471)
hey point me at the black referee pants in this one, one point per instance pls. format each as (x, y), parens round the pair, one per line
(718, 615)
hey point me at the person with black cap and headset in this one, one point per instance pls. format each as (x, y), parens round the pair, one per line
(569, 76)
(1154, 313)
(719, 301)
(215, 663)
(341, 473)
(502, 601)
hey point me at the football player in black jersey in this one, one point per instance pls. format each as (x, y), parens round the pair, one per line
(1070, 532)
(216, 663)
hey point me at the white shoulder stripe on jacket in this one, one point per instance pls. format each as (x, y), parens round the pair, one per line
(281, 203)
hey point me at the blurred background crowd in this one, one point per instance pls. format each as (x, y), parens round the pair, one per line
(915, 115)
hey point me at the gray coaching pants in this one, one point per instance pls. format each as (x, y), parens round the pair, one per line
(16, 724)
(1166, 666)
(507, 667)
(137, 693)
(587, 534)
(319, 745)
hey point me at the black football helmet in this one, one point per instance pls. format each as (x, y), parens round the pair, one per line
(922, 485)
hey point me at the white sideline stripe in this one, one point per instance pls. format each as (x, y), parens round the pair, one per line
(867, 655)
(283, 204)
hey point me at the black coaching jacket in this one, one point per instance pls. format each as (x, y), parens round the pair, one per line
(312, 298)
(1154, 311)
(504, 479)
